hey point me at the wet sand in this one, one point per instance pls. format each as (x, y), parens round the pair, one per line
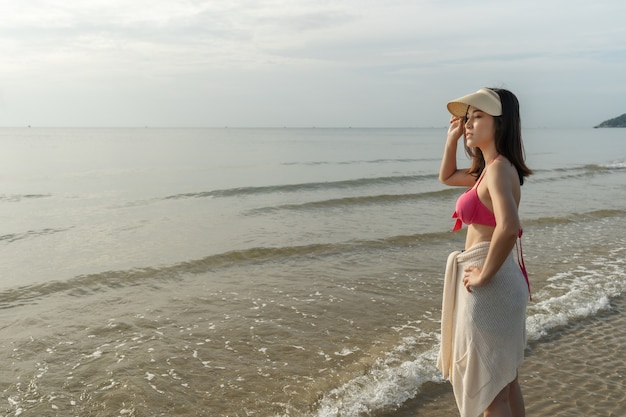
(578, 371)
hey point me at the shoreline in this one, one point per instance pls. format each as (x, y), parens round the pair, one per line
(575, 371)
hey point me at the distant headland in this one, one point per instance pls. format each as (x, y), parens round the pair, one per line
(616, 122)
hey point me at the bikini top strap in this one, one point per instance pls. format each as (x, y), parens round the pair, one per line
(520, 260)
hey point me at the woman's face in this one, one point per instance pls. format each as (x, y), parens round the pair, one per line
(479, 128)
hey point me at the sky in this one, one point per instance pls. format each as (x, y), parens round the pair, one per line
(306, 63)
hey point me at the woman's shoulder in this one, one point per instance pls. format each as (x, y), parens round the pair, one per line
(502, 163)
(502, 169)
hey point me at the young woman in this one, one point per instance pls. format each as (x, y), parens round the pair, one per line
(486, 289)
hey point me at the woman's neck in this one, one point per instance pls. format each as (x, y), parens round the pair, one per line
(489, 153)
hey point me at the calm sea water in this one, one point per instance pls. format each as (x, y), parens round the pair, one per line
(266, 272)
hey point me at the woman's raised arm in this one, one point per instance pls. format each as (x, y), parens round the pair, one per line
(449, 174)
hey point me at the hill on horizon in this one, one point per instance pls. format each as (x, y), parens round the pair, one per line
(619, 121)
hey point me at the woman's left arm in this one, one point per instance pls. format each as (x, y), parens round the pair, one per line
(502, 190)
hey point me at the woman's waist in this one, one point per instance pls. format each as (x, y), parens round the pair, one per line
(476, 234)
(476, 253)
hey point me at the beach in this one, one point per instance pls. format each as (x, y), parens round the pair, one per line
(287, 272)
(577, 371)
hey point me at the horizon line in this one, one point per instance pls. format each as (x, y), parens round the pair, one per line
(253, 127)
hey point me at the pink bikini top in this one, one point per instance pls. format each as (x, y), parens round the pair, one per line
(470, 210)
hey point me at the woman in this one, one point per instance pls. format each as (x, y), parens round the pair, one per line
(483, 323)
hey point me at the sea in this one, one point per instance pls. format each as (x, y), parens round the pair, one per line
(278, 272)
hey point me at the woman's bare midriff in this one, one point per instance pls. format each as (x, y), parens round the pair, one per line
(477, 233)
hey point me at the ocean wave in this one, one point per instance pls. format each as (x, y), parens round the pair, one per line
(574, 218)
(561, 174)
(578, 293)
(385, 387)
(364, 161)
(359, 201)
(16, 198)
(13, 237)
(615, 165)
(310, 186)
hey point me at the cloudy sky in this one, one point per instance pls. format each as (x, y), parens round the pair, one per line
(301, 63)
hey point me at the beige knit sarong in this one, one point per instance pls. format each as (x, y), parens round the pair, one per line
(483, 333)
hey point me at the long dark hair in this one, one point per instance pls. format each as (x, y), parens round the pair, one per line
(508, 136)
